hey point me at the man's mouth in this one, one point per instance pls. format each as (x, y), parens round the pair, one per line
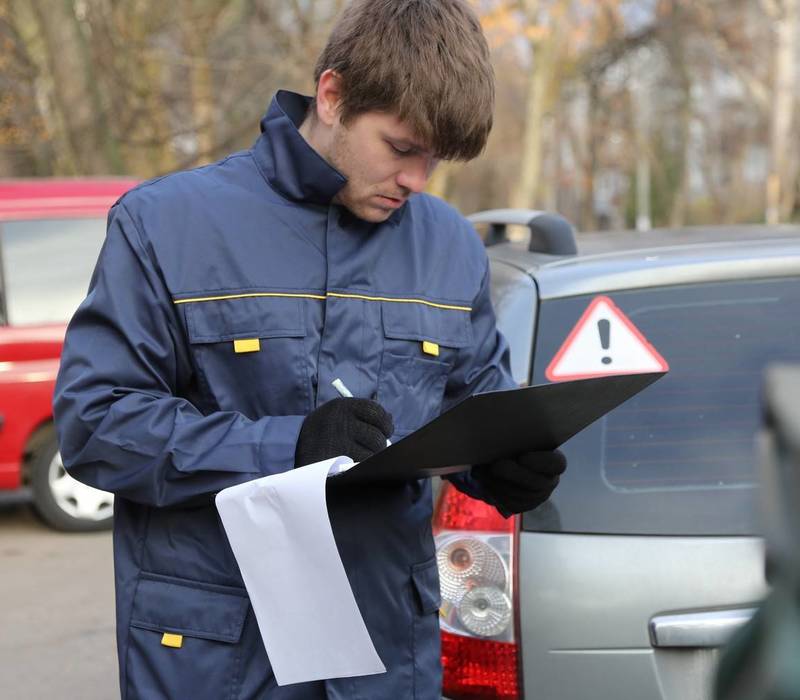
(393, 202)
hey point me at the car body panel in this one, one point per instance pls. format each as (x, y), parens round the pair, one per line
(29, 353)
(699, 264)
(601, 273)
(587, 600)
(57, 198)
(31, 342)
(27, 386)
(514, 296)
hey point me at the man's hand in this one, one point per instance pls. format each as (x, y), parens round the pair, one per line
(357, 428)
(521, 484)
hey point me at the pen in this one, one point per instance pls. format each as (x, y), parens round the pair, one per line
(339, 385)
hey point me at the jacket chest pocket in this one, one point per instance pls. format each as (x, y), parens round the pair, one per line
(421, 344)
(250, 354)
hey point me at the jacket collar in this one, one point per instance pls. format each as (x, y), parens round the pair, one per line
(287, 161)
(290, 164)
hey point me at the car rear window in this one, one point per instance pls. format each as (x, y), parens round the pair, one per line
(47, 265)
(679, 458)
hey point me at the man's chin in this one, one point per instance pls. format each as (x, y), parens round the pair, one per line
(371, 213)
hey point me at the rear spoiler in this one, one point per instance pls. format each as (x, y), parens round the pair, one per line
(550, 233)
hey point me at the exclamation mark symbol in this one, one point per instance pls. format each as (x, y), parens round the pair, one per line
(604, 328)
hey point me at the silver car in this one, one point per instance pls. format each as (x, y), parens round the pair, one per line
(626, 583)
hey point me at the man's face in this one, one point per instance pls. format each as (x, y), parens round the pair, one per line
(383, 162)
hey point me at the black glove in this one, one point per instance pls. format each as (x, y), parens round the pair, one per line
(357, 428)
(521, 484)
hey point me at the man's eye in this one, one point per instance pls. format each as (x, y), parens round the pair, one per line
(399, 151)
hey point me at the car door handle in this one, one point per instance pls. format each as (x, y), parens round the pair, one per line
(703, 628)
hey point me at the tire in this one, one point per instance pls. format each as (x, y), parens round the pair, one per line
(61, 501)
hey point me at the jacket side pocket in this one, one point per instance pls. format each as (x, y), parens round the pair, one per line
(183, 639)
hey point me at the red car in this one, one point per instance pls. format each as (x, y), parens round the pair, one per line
(51, 232)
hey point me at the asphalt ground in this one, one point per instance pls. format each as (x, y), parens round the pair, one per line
(57, 603)
(56, 610)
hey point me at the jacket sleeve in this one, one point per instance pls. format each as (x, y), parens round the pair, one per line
(121, 424)
(485, 366)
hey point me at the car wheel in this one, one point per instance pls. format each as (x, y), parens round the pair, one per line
(63, 502)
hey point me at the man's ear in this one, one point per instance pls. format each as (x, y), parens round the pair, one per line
(329, 97)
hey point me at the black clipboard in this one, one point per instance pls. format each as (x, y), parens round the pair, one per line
(498, 424)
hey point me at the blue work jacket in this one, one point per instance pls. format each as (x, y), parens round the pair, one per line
(225, 301)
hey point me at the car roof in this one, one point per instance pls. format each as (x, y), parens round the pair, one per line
(52, 198)
(615, 261)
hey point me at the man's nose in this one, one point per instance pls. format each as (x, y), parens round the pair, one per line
(414, 175)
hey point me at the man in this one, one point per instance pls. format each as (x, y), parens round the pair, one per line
(225, 302)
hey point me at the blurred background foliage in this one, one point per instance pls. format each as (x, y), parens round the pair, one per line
(616, 113)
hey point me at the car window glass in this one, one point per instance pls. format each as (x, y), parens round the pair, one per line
(679, 458)
(47, 266)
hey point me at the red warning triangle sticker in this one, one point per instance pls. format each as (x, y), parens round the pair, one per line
(604, 342)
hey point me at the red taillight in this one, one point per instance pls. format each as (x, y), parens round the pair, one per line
(457, 511)
(475, 552)
(480, 669)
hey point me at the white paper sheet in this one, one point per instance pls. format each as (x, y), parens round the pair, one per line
(280, 533)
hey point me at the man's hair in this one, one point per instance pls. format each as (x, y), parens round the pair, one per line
(425, 61)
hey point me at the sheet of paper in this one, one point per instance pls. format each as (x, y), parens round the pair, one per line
(280, 533)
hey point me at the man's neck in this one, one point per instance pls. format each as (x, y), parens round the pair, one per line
(311, 131)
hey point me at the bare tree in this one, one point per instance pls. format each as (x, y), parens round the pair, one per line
(781, 184)
(146, 86)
